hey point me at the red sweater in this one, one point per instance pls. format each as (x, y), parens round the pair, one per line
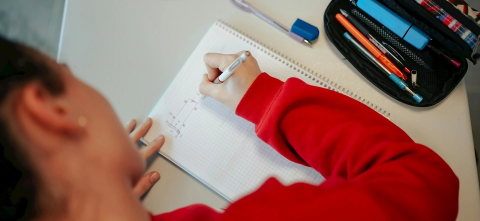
(373, 169)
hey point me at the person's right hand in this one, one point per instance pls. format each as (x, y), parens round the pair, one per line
(231, 92)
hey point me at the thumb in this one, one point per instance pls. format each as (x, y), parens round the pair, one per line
(207, 87)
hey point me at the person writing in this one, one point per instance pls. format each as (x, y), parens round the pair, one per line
(74, 161)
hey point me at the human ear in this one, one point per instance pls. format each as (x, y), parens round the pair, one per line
(49, 113)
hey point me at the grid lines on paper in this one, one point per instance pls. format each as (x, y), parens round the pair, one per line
(210, 140)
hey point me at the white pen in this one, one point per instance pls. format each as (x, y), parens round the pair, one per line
(232, 68)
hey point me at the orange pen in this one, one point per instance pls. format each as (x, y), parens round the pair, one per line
(367, 44)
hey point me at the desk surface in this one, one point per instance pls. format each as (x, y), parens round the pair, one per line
(131, 50)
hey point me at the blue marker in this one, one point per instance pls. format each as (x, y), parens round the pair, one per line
(401, 84)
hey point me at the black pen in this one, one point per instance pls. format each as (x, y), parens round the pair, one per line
(390, 55)
(395, 53)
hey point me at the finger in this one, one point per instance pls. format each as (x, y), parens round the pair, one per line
(131, 125)
(207, 87)
(217, 63)
(153, 147)
(141, 130)
(144, 184)
(211, 63)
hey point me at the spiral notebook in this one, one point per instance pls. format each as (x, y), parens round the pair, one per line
(211, 143)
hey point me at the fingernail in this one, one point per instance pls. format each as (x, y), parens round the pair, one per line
(154, 177)
(147, 120)
(131, 122)
(161, 137)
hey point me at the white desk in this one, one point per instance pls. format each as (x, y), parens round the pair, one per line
(131, 51)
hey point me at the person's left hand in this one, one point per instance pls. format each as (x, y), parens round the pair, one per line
(151, 178)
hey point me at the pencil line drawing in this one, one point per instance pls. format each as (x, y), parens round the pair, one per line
(177, 118)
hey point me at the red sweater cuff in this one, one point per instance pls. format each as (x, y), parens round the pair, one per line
(258, 99)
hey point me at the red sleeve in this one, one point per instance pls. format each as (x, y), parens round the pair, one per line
(373, 169)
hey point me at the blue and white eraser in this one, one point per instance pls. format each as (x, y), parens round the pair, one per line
(305, 30)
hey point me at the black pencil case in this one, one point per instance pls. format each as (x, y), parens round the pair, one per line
(436, 76)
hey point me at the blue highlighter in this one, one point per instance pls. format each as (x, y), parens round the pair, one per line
(401, 27)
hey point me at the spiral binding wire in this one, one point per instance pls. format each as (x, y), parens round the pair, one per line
(300, 68)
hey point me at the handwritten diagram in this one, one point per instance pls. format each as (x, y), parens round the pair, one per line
(178, 117)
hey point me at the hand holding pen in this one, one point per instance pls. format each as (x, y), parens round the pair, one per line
(231, 91)
(232, 68)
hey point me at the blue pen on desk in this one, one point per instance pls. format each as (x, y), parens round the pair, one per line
(402, 85)
(244, 6)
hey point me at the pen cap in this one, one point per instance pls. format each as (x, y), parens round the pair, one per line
(305, 30)
(395, 23)
(417, 98)
(417, 38)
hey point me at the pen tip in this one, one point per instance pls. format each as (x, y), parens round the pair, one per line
(307, 42)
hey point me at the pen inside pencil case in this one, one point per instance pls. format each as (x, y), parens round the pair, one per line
(391, 38)
(428, 65)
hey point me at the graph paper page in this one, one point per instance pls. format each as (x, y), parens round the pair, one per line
(208, 140)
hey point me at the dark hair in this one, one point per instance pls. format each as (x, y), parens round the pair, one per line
(19, 65)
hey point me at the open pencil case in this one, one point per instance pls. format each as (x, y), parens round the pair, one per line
(436, 77)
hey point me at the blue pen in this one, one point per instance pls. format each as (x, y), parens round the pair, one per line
(244, 6)
(401, 84)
